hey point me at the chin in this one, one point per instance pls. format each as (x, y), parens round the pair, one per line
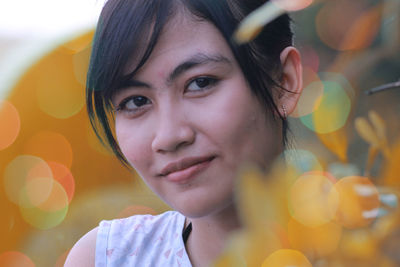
(196, 209)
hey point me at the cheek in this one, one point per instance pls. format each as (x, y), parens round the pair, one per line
(235, 117)
(238, 125)
(133, 142)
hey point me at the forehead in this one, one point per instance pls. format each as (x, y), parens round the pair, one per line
(183, 36)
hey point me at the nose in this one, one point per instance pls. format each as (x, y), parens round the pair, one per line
(173, 132)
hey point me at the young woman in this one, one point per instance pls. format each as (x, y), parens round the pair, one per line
(185, 106)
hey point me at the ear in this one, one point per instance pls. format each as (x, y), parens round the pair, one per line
(291, 80)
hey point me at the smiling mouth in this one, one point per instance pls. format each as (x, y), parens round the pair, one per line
(185, 169)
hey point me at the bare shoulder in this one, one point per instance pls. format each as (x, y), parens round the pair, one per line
(83, 252)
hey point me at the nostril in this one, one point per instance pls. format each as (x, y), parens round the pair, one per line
(173, 139)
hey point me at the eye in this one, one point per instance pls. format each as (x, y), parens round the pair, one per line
(201, 83)
(133, 103)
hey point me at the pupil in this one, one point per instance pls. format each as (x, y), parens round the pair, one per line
(140, 101)
(202, 82)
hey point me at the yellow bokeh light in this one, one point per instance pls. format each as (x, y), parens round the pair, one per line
(310, 97)
(81, 64)
(349, 28)
(314, 241)
(286, 258)
(364, 30)
(57, 199)
(10, 124)
(358, 201)
(302, 160)
(309, 100)
(38, 190)
(50, 146)
(15, 259)
(20, 170)
(332, 112)
(58, 93)
(48, 214)
(64, 176)
(313, 199)
(44, 193)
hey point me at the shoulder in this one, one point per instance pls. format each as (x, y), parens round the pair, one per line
(128, 241)
(140, 226)
(83, 252)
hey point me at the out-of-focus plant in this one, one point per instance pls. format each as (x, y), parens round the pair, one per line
(312, 218)
(255, 21)
(375, 135)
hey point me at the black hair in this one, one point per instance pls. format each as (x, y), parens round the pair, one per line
(132, 27)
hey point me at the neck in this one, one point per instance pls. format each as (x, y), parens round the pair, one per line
(209, 235)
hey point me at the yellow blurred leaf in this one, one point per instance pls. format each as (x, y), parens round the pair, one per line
(358, 244)
(372, 153)
(262, 199)
(391, 172)
(314, 241)
(378, 123)
(250, 248)
(365, 130)
(336, 142)
(380, 128)
(313, 200)
(252, 25)
(358, 202)
(362, 33)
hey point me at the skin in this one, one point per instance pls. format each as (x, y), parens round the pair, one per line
(205, 110)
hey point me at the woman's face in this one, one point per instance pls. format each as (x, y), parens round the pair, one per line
(188, 120)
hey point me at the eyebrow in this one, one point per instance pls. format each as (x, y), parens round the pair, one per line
(193, 61)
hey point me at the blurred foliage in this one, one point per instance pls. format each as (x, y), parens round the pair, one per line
(333, 202)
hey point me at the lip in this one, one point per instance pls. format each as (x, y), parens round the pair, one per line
(182, 170)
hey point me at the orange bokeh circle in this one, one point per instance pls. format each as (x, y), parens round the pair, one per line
(64, 176)
(358, 201)
(15, 259)
(286, 257)
(50, 146)
(313, 199)
(10, 124)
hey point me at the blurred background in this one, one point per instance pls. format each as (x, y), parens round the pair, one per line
(58, 181)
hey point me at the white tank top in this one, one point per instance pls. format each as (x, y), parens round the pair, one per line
(142, 240)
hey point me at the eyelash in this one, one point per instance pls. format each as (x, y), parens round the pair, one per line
(211, 80)
(122, 106)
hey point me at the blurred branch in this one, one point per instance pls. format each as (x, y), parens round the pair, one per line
(383, 88)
